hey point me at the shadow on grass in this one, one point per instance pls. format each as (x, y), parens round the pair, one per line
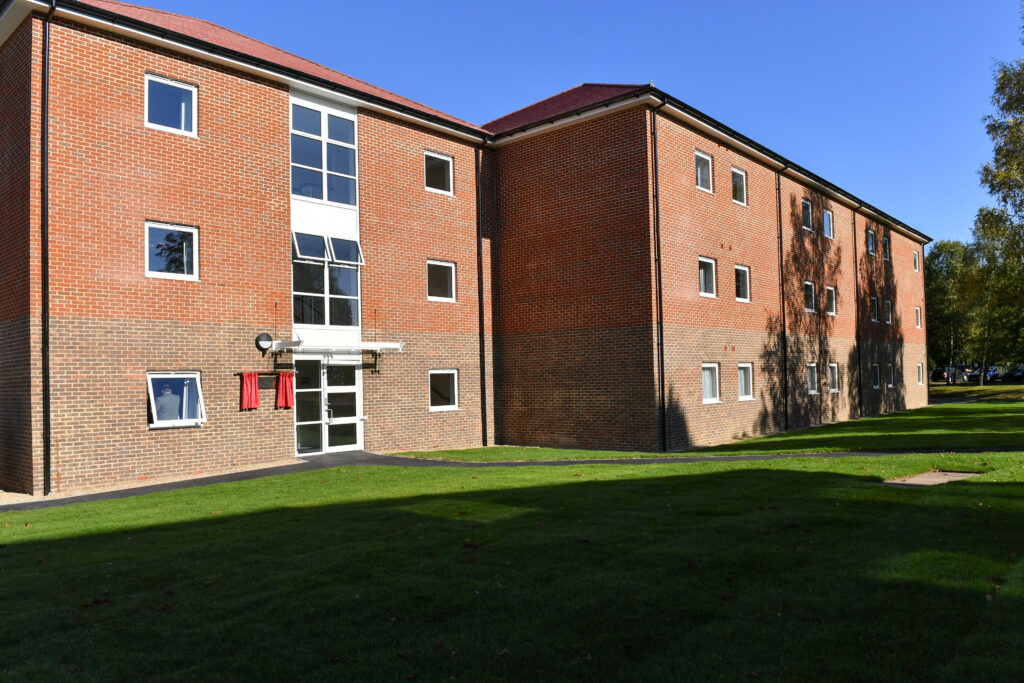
(792, 574)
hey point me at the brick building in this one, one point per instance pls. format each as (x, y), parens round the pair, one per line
(608, 267)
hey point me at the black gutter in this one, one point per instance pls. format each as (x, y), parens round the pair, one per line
(480, 298)
(782, 297)
(44, 240)
(662, 407)
(860, 352)
(729, 132)
(135, 24)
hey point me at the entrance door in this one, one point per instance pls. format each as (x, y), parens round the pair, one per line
(328, 407)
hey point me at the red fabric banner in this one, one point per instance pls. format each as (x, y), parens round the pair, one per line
(250, 391)
(286, 390)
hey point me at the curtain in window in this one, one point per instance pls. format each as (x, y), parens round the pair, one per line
(250, 391)
(286, 390)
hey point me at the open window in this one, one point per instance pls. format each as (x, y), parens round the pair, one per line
(175, 399)
(325, 280)
(170, 105)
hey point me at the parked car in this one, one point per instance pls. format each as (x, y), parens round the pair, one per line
(1014, 374)
(991, 375)
(956, 374)
(939, 375)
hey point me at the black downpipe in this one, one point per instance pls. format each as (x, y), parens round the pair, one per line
(662, 407)
(860, 358)
(782, 296)
(480, 299)
(44, 244)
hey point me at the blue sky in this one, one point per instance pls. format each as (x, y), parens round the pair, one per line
(884, 99)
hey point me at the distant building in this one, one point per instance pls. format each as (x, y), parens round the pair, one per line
(607, 268)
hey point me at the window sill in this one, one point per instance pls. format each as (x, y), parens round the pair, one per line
(833, 391)
(447, 193)
(812, 393)
(832, 314)
(829, 237)
(705, 190)
(743, 301)
(876, 387)
(743, 204)
(810, 310)
(711, 401)
(178, 424)
(708, 296)
(443, 409)
(441, 299)
(171, 276)
(807, 229)
(745, 398)
(176, 131)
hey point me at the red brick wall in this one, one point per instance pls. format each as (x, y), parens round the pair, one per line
(109, 174)
(20, 61)
(575, 344)
(402, 225)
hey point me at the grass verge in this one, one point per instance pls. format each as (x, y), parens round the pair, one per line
(801, 569)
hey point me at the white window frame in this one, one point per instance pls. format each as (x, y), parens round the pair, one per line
(455, 406)
(330, 259)
(325, 110)
(888, 311)
(815, 390)
(750, 368)
(195, 252)
(745, 269)
(892, 376)
(194, 133)
(917, 316)
(920, 374)
(718, 384)
(711, 172)
(714, 277)
(447, 264)
(917, 262)
(827, 227)
(168, 424)
(873, 309)
(886, 248)
(809, 226)
(833, 378)
(451, 173)
(829, 289)
(877, 375)
(814, 297)
(742, 174)
(872, 242)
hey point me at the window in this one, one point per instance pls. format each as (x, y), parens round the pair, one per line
(707, 276)
(175, 399)
(920, 373)
(746, 381)
(709, 381)
(892, 376)
(323, 155)
(826, 223)
(703, 162)
(440, 281)
(325, 280)
(917, 316)
(874, 309)
(917, 262)
(809, 297)
(170, 105)
(871, 241)
(830, 300)
(444, 390)
(888, 312)
(806, 215)
(743, 283)
(172, 251)
(885, 248)
(437, 172)
(877, 374)
(739, 186)
(812, 378)
(833, 378)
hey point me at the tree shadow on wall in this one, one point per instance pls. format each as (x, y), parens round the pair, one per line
(880, 356)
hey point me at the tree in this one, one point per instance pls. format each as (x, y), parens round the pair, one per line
(945, 273)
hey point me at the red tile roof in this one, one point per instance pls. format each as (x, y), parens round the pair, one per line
(558, 105)
(220, 37)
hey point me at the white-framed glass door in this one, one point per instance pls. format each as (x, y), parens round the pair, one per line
(328, 406)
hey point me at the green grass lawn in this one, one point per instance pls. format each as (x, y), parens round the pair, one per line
(995, 424)
(801, 569)
(989, 392)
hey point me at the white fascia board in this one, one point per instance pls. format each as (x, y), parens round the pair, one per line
(575, 118)
(15, 13)
(267, 73)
